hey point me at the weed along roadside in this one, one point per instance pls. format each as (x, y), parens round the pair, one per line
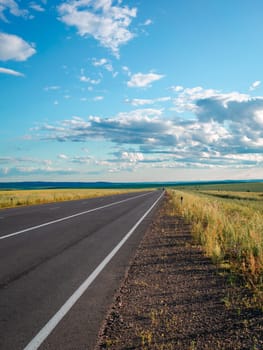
(230, 230)
(177, 295)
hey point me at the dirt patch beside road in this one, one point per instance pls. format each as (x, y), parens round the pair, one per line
(174, 298)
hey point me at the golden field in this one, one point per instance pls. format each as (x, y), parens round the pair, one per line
(16, 198)
(229, 225)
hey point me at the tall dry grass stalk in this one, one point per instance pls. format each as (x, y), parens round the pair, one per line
(230, 232)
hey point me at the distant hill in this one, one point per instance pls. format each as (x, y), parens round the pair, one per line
(104, 185)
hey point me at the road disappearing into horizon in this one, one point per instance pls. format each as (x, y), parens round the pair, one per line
(61, 264)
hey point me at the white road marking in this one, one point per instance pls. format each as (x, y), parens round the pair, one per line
(69, 217)
(53, 322)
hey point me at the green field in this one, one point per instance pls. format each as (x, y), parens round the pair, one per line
(232, 187)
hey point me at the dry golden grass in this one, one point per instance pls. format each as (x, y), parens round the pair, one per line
(16, 198)
(230, 229)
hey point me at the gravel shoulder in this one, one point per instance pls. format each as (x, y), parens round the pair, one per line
(173, 297)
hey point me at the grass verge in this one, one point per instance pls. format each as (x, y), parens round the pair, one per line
(172, 297)
(230, 230)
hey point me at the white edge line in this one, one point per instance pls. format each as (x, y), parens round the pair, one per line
(70, 217)
(53, 322)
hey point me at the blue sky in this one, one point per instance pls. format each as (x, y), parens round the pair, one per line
(103, 90)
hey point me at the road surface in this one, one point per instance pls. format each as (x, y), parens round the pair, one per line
(60, 265)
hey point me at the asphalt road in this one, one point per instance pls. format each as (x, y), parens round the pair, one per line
(60, 265)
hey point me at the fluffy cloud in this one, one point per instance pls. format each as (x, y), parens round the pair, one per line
(14, 48)
(177, 88)
(134, 127)
(226, 129)
(255, 85)
(11, 72)
(103, 62)
(85, 79)
(100, 19)
(132, 157)
(141, 102)
(63, 156)
(145, 128)
(143, 80)
(148, 22)
(36, 7)
(126, 70)
(188, 98)
(12, 7)
(98, 98)
(240, 114)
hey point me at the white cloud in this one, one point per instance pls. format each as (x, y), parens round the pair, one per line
(104, 63)
(11, 72)
(148, 22)
(225, 130)
(98, 98)
(12, 7)
(25, 160)
(99, 62)
(86, 79)
(187, 98)
(14, 48)
(143, 80)
(239, 114)
(36, 7)
(258, 116)
(24, 170)
(62, 156)
(132, 157)
(176, 88)
(52, 88)
(126, 70)
(82, 159)
(141, 102)
(255, 85)
(258, 158)
(100, 19)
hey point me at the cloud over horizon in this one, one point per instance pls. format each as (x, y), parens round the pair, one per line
(226, 129)
(105, 76)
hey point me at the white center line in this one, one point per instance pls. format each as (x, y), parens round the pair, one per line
(53, 322)
(69, 217)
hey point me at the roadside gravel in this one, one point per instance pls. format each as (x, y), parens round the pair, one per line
(173, 297)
